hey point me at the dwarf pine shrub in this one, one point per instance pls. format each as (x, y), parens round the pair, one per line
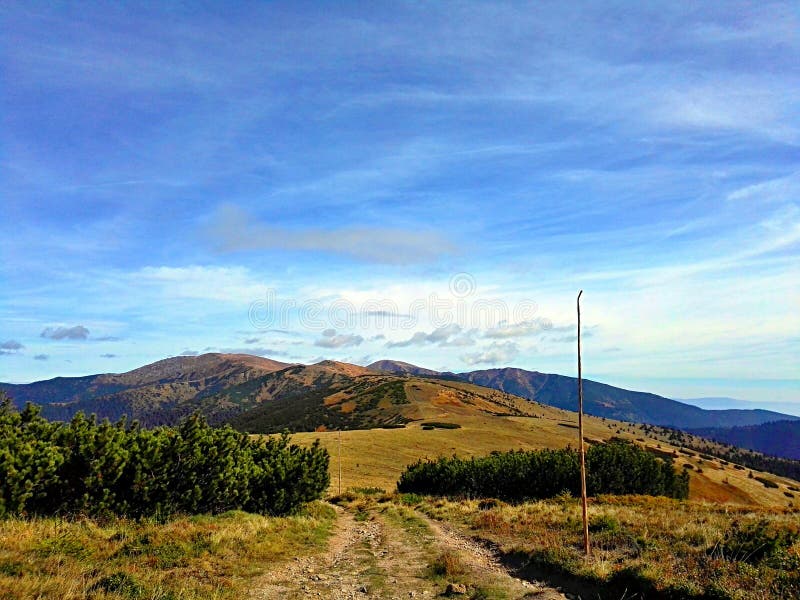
(616, 467)
(86, 467)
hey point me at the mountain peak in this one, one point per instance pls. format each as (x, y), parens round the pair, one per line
(343, 368)
(401, 368)
(186, 368)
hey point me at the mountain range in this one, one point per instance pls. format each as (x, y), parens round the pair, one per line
(778, 438)
(599, 399)
(790, 408)
(262, 395)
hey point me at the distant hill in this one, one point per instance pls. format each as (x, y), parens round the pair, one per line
(260, 394)
(778, 438)
(331, 395)
(400, 412)
(600, 399)
(789, 408)
(604, 400)
(159, 393)
(401, 368)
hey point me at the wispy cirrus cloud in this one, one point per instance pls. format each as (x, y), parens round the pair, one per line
(779, 189)
(657, 172)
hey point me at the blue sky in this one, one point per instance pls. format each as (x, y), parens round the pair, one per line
(431, 182)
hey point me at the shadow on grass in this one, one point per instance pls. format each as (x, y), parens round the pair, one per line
(549, 568)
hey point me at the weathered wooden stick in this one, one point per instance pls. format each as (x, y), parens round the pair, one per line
(582, 452)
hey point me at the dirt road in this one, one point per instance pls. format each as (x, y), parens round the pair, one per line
(395, 553)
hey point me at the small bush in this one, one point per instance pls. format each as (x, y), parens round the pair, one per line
(441, 425)
(368, 491)
(410, 499)
(448, 565)
(120, 583)
(489, 503)
(768, 483)
(603, 523)
(755, 542)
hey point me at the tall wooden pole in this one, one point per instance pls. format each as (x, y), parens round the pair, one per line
(340, 462)
(582, 452)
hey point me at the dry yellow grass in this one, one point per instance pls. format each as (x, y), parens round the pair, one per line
(186, 558)
(649, 545)
(376, 457)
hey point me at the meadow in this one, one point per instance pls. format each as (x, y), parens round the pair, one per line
(375, 458)
(654, 547)
(185, 558)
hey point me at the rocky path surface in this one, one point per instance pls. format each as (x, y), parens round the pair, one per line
(381, 554)
(483, 559)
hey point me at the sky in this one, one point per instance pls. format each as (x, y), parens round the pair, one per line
(427, 182)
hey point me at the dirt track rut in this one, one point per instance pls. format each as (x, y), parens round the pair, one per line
(380, 555)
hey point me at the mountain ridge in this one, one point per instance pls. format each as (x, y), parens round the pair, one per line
(170, 387)
(604, 400)
(776, 438)
(237, 387)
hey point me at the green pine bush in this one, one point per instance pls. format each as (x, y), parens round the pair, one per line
(91, 468)
(616, 467)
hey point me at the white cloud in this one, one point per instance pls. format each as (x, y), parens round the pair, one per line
(234, 230)
(330, 339)
(224, 284)
(78, 332)
(267, 352)
(495, 353)
(504, 329)
(441, 335)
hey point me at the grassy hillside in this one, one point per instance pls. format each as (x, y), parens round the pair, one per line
(375, 458)
(389, 412)
(600, 399)
(224, 386)
(161, 393)
(333, 395)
